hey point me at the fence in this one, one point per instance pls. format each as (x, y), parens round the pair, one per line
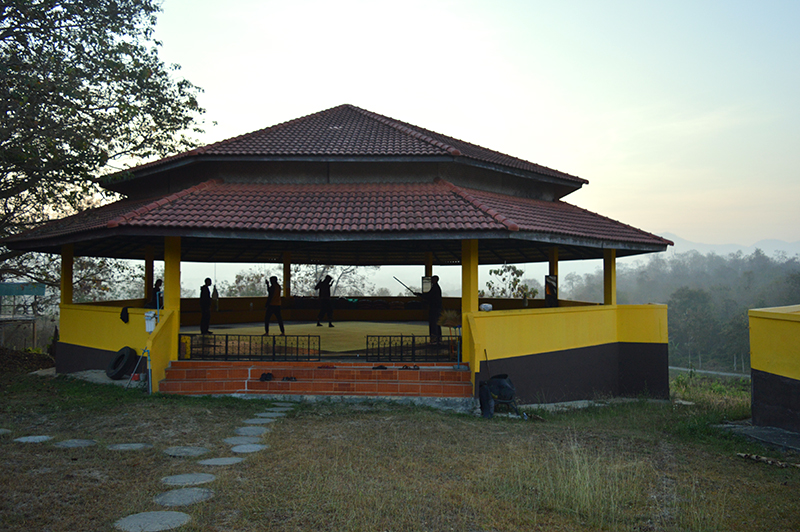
(413, 348)
(247, 347)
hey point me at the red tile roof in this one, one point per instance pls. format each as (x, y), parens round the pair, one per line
(347, 130)
(439, 207)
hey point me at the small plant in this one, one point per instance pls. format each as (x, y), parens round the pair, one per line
(507, 283)
(450, 318)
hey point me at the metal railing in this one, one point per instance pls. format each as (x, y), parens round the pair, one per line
(248, 347)
(413, 348)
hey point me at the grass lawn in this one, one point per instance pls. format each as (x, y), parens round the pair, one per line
(637, 466)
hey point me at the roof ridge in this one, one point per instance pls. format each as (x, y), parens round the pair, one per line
(407, 130)
(509, 223)
(164, 200)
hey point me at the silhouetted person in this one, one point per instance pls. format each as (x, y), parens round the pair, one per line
(434, 299)
(157, 297)
(326, 305)
(273, 305)
(205, 307)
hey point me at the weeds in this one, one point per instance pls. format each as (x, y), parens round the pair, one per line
(636, 466)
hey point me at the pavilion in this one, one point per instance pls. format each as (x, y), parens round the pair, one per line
(347, 186)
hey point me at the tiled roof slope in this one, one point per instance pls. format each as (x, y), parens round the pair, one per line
(334, 208)
(561, 218)
(313, 208)
(87, 220)
(347, 130)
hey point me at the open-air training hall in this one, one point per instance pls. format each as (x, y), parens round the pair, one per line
(347, 186)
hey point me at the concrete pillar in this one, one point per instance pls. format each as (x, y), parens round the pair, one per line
(553, 259)
(287, 274)
(428, 264)
(469, 300)
(469, 276)
(172, 273)
(610, 277)
(67, 259)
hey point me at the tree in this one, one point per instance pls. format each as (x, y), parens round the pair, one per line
(692, 327)
(507, 282)
(82, 90)
(347, 280)
(248, 283)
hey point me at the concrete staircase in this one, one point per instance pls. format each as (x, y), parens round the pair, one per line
(439, 380)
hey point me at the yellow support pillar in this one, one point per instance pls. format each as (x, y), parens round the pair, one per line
(172, 273)
(553, 259)
(469, 300)
(67, 259)
(287, 274)
(610, 277)
(163, 342)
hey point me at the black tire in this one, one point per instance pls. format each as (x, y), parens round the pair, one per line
(121, 363)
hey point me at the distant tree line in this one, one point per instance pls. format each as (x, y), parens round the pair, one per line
(708, 298)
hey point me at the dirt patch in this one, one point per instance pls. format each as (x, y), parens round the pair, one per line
(23, 361)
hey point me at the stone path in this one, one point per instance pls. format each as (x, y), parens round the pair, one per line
(246, 441)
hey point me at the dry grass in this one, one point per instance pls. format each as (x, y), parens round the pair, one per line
(630, 467)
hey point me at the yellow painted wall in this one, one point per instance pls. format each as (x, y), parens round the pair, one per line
(163, 346)
(515, 333)
(642, 324)
(775, 341)
(100, 327)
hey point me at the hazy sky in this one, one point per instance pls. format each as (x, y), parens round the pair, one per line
(683, 116)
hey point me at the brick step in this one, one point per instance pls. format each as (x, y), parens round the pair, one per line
(319, 387)
(221, 377)
(336, 374)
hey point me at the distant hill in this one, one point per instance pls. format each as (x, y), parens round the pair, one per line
(769, 247)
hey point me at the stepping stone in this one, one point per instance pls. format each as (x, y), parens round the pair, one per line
(280, 409)
(248, 448)
(152, 521)
(284, 404)
(33, 439)
(129, 446)
(189, 479)
(229, 460)
(242, 440)
(271, 414)
(259, 421)
(72, 444)
(251, 431)
(3, 432)
(183, 451)
(183, 496)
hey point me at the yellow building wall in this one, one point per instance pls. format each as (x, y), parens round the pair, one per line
(100, 327)
(162, 345)
(516, 333)
(775, 341)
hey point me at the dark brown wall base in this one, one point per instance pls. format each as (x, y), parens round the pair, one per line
(775, 400)
(624, 369)
(71, 358)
